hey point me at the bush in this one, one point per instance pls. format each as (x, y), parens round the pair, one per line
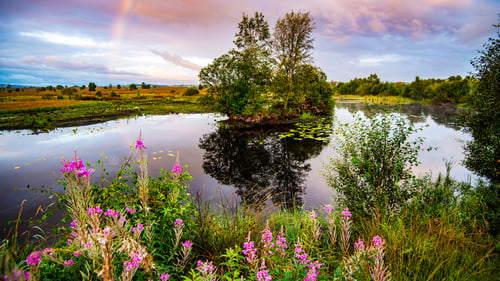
(132, 87)
(191, 92)
(372, 172)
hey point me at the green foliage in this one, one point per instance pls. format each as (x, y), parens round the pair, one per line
(145, 86)
(132, 87)
(372, 171)
(292, 43)
(98, 95)
(92, 87)
(239, 82)
(483, 121)
(82, 87)
(118, 86)
(191, 92)
(437, 91)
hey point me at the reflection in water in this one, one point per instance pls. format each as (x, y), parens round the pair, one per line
(446, 114)
(260, 164)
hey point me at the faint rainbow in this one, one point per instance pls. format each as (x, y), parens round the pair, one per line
(121, 20)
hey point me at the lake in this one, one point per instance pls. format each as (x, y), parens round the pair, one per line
(248, 164)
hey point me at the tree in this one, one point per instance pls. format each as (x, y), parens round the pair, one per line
(236, 80)
(92, 86)
(145, 86)
(483, 121)
(292, 44)
(132, 87)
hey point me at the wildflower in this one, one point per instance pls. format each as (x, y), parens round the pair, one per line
(205, 268)
(377, 241)
(96, 210)
(300, 254)
(68, 263)
(313, 271)
(130, 211)
(187, 244)
(359, 245)
(249, 250)
(263, 275)
(47, 251)
(164, 277)
(34, 258)
(267, 238)
(346, 214)
(112, 213)
(69, 242)
(74, 224)
(177, 169)
(178, 223)
(27, 276)
(313, 215)
(328, 209)
(77, 254)
(139, 144)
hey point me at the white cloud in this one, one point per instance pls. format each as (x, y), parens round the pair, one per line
(57, 38)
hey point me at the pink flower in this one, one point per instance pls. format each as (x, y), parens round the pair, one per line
(377, 241)
(359, 245)
(249, 250)
(164, 277)
(34, 258)
(178, 223)
(177, 169)
(187, 244)
(77, 254)
(313, 215)
(130, 211)
(263, 275)
(139, 144)
(68, 263)
(328, 208)
(346, 213)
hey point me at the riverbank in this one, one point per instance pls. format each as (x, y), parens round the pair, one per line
(41, 111)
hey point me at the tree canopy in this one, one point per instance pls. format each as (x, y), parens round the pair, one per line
(261, 73)
(483, 152)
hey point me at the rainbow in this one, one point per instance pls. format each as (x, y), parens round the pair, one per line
(119, 25)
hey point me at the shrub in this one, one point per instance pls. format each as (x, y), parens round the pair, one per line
(191, 92)
(372, 171)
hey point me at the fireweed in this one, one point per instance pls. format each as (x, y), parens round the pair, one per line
(103, 235)
(369, 257)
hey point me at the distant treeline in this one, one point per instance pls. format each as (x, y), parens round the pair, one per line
(455, 89)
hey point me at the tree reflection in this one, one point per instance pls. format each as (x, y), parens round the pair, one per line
(260, 164)
(447, 114)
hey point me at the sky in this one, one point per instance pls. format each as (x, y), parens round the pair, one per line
(167, 42)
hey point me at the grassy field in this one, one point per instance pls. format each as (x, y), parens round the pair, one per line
(38, 110)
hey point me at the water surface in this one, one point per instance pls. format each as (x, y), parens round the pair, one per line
(253, 164)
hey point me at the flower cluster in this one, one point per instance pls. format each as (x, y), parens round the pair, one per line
(164, 276)
(249, 250)
(75, 167)
(206, 269)
(96, 210)
(176, 170)
(34, 258)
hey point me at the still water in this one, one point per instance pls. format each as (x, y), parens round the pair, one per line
(253, 164)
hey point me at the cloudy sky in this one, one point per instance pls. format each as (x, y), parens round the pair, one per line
(73, 42)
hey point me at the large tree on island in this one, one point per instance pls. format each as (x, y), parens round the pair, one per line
(237, 80)
(292, 45)
(483, 121)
